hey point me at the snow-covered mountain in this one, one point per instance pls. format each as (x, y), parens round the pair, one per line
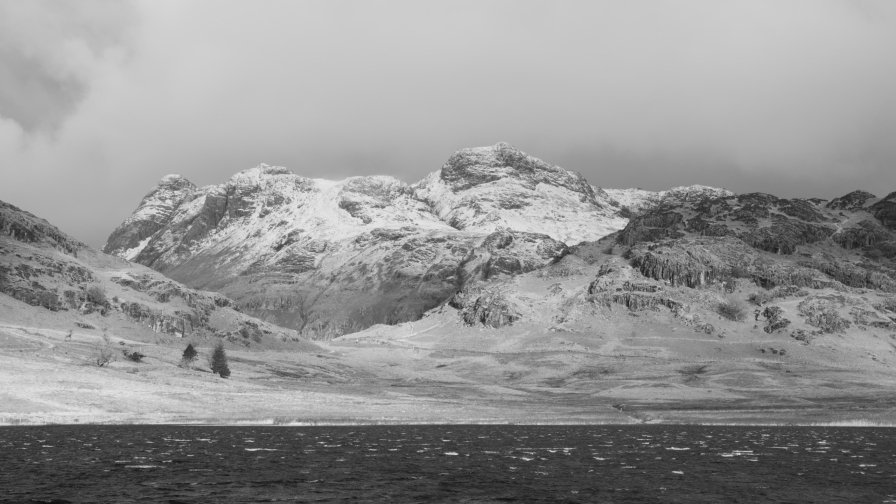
(327, 257)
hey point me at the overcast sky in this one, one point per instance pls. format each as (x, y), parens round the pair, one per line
(100, 99)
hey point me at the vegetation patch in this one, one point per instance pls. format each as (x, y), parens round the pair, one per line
(732, 309)
(822, 313)
(774, 319)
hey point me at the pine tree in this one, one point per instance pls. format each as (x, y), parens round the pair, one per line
(189, 355)
(219, 361)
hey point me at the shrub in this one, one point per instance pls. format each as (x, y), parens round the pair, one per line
(96, 295)
(134, 356)
(218, 361)
(732, 309)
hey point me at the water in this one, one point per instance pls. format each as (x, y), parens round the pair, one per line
(612, 464)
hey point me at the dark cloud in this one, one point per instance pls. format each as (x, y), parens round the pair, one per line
(789, 97)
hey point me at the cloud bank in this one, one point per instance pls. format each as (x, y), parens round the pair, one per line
(99, 99)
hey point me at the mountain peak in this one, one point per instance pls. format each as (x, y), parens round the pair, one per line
(259, 172)
(174, 181)
(475, 166)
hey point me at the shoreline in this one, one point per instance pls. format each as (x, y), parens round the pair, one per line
(284, 422)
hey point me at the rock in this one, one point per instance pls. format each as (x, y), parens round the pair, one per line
(488, 307)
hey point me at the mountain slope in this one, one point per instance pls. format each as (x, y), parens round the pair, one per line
(69, 285)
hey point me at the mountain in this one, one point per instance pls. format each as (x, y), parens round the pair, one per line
(695, 305)
(51, 278)
(331, 257)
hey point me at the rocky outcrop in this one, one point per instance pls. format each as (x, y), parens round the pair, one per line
(161, 323)
(652, 227)
(485, 306)
(22, 226)
(506, 252)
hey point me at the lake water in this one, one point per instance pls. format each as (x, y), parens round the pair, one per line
(612, 464)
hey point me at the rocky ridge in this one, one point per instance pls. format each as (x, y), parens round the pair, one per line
(43, 267)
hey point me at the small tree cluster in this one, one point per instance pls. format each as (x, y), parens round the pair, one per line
(774, 319)
(189, 356)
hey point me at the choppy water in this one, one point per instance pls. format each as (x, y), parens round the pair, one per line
(447, 464)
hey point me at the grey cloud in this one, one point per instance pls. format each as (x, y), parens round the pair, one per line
(46, 51)
(793, 98)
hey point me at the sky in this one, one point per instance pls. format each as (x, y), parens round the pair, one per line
(101, 98)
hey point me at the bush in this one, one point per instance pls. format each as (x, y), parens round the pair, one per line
(218, 361)
(134, 356)
(732, 309)
(96, 295)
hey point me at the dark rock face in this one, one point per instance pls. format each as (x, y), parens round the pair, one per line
(652, 227)
(762, 220)
(663, 241)
(885, 211)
